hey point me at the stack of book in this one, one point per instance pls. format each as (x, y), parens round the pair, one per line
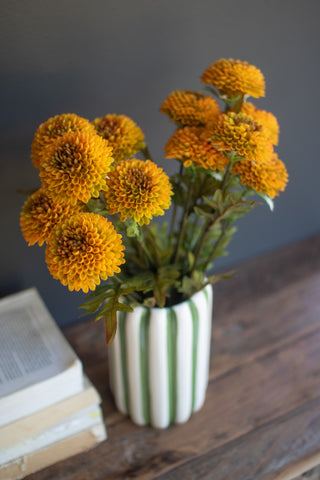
(49, 410)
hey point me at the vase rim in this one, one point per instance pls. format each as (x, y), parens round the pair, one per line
(208, 286)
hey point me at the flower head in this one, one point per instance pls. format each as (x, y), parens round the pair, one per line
(74, 168)
(40, 215)
(190, 108)
(191, 145)
(269, 177)
(239, 132)
(266, 119)
(233, 78)
(122, 133)
(55, 127)
(82, 250)
(138, 190)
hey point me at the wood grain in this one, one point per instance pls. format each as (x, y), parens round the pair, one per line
(261, 418)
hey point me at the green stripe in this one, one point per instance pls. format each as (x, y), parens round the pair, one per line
(205, 291)
(144, 364)
(172, 362)
(123, 356)
(195, 336)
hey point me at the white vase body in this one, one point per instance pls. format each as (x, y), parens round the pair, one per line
(159, 361)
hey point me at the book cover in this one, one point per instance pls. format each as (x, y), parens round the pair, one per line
(49, 416)
(83, 420)
(68, 447)
(37, 365)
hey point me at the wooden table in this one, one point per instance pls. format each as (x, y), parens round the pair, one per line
(261, 418)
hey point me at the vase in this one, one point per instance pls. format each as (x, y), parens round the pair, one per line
(159, 361)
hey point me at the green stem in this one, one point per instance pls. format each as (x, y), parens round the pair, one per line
(227, 172)
(175, 208)
(196, 227)
(183, 222)
(211, 257)
(206, 228)
(238, 104)
(210, 223)
(146, 153)
(143, 249)
(173, 220)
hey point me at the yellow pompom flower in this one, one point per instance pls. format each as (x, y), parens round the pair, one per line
(233, 78)
(266, 119)
(75, 167)
(53, 128)
(122, 133)
(138, 189)
(269, 177)
(82, 250)
(190, 108)
(240, 133)
(191, 145)
(40, 214)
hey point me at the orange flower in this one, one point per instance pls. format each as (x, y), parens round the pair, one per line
(75, 167)
(55, 127)
(266, 119)
(190, 108)
(191, 145)
(269, 177)
(239, 132)
(82, 250)
(40, 215)
(233, 78)
(138, 190)
(122, 133)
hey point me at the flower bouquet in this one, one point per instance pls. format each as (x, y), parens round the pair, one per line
(100, 189)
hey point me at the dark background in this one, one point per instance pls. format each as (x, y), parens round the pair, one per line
(125, 56)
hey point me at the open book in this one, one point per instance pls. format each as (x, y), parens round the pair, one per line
(37, 365)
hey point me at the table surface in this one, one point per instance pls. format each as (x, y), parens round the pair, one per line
(261, 418)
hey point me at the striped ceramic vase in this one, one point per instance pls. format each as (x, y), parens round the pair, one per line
(159, 361)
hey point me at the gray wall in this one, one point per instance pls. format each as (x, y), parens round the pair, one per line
(126, 56)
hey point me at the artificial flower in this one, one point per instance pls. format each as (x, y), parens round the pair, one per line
(269, 177)
(74, 168)
(190, 108)
(40, 214)
(237, 132)
(191, 145)
(82, 250)
(234, 78)
(122, 133)
(266, 119)
(53, 128)
(138, 189)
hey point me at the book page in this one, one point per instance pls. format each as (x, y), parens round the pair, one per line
(32, 348)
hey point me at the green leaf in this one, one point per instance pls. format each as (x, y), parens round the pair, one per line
(212, 90)
(97, 205)
(30, 191)
(190, 259)
(267, 199)
(212, 203)
(216, 174)
(218, 197)
(233, 197)
(223, 276)
(107, 303)
(180, 194)
(111, 321)
(202, 212)
(149, 302)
